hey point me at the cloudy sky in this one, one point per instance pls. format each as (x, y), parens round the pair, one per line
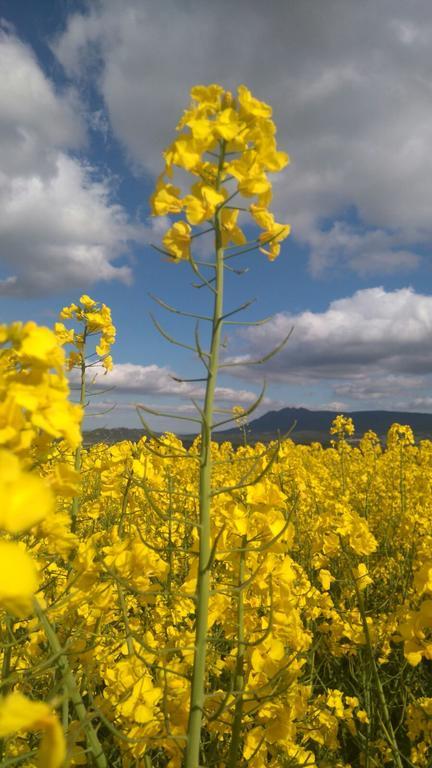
(89, 96)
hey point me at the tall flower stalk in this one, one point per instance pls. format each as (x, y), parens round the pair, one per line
(229, 145)
(95, 319)
(204, 566)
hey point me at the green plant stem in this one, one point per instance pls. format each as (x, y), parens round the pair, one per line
(78, 453)
(72, 689)
(7, 656)
(238, 673)
(386, 719)
(125, 500)
(204, 562)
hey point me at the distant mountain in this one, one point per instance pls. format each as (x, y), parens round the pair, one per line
(307, 426)
(111, 436)
(320, 421)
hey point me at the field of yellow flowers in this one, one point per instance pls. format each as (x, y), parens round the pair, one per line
(262, 606)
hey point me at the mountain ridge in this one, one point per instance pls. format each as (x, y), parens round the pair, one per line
(378, 420)
(304, 425)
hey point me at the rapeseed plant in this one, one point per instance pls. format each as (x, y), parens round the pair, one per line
(259, 605)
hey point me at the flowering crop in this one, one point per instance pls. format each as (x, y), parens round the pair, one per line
(123, 606)
(265, 605)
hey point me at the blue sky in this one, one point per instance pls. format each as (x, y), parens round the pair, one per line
(89, 96)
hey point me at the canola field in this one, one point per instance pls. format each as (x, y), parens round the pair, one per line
(319, 646)
(266, 606)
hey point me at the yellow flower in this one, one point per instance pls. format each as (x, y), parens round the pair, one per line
(423, 578)
(107, 363)
(400, 434)
(67, 313)
(228, 125)
(202, 129)
(239, 415)
(231, 232)
(25, 499)
(39, 346)
(18, 713)
(177, 241)
(325, 578)
(65, 480)
(201, 205)
(64, 335)
(217, 122)
(208, 96)
(96, 319)
(34, 389)
(252, 106)
(87, 302)
(250, 174)
(273, 233)
(272, 159)
(361, 575)
(342, 425)
(184, 152)
(18, 579)
(165, 199)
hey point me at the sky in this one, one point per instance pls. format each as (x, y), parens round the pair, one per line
(90, 93)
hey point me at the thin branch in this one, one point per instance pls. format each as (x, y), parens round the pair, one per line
(175, 311)
(240, 308)
(246, 412)
(261, 360)
(166, 414)
(169, 338)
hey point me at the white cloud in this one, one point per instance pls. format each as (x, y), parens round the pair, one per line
(34, 118)
(153, 386)
(351, 88)
(335, 405)
(372, 332)
(58, 224)
(379, 388)
(363, 252)
(64, 227)
(155, 380)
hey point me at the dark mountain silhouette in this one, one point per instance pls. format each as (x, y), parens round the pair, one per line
(320, 421)
(306, 426)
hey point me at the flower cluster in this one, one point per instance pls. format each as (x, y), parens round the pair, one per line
(40, 430)
(321, 578)
(34, 390)
(96, 320)
(228, 144)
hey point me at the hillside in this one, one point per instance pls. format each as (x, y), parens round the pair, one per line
(305, 426)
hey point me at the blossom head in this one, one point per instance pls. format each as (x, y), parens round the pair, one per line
(228, 144)
(96, 320)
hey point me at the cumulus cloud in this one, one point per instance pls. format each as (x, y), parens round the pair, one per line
(58, 223)
(153, 386)
(378, 388)
(351, 88)
(155, 380)
(372, 332)
(34, 118)
(363, 252)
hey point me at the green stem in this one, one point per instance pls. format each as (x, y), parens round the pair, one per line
(238, 673)
(78, 453)
(391, 738)
(125, 500)
(7, 653)
(170, 548)
(204, 562)
(7, 656)
(72, 689)
(367, 704)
